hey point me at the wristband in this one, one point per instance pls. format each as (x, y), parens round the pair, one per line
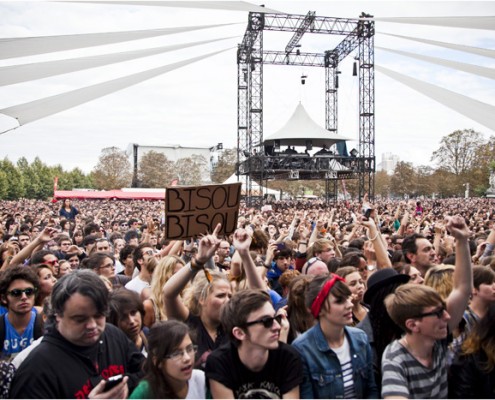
(195, 265)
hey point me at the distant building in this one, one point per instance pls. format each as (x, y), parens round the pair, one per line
(389, 162)
(173, 153)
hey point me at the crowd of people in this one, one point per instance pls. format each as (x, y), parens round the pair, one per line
(306, 299)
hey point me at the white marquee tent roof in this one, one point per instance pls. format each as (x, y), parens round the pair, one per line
(299, 128)
(254, 186)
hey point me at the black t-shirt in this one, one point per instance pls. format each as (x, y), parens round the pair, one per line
(203, 339)
(281, 373)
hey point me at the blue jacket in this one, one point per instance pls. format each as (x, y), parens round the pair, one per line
(322, 370)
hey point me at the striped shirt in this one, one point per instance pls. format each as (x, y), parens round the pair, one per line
(344, 355)
(403, 375)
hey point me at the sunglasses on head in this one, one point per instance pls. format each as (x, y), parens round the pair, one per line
(266, 321)
(18, 292)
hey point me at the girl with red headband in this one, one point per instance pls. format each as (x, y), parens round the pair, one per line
(337, 358)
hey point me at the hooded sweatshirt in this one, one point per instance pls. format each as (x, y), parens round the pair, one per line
(61, 370)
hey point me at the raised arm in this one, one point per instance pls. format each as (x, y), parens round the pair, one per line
(241, 243)
(463, 274)
(382, 259)
(174, 286)
(45, 236)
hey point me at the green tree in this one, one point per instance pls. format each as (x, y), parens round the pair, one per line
(4, 185)
(457, 151)
(15, 180)
(425, 186)
(445, 183)
(225, 166)
(155, 170)
(113, 170)
(382, 184)
(79, 179)
(187, 172)
(404, 180)
(32, 184)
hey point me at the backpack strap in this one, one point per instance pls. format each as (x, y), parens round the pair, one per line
(38, 327)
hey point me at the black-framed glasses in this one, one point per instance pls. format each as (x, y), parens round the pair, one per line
(438, 313)
(18, 292)
(266, 321)
(179, 354)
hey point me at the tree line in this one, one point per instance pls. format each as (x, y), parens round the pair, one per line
(463, 158)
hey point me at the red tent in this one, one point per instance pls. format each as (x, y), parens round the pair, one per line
(109, 194)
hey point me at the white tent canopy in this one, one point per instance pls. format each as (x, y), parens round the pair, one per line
(255, 187)
(300, 128)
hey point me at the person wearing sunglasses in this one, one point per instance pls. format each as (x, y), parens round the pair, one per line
(337, 359)
(21, 325)
(169, 372)
(415, 366)
(255, 363)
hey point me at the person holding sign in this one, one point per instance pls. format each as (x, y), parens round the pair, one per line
(211, 290)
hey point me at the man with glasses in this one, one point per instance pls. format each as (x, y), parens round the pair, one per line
(222, 259)
(254, 364)
(79, 351)
(415, 366)
(21, 325)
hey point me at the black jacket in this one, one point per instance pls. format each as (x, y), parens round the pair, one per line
(468, 380)
(59, 369)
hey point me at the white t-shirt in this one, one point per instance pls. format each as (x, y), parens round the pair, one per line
(137, 285)
(344, 355)
(197, 385)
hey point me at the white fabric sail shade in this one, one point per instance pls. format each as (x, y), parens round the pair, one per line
(466, 49)
(212, 5)
(37, 109)
(470, 68)
(28, 46)
(476, 22)
(26, 72)
(476, 110)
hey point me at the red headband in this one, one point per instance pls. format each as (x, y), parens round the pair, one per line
(318, 302)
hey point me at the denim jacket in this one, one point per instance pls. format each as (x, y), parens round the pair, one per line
(322, 370)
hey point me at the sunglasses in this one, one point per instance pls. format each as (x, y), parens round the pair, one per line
(266, 321)
(18, 292)
(437, 313)
(51, 262)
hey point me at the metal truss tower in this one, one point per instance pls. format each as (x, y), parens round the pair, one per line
(359, 34)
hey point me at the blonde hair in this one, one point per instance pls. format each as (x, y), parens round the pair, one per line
(200, 289)
(441, 278)
(162, 273)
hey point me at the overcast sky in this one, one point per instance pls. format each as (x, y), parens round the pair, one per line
(197, 105)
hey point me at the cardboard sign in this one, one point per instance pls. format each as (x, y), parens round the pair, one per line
(196, 210)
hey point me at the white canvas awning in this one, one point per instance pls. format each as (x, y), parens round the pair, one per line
(300, 128)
